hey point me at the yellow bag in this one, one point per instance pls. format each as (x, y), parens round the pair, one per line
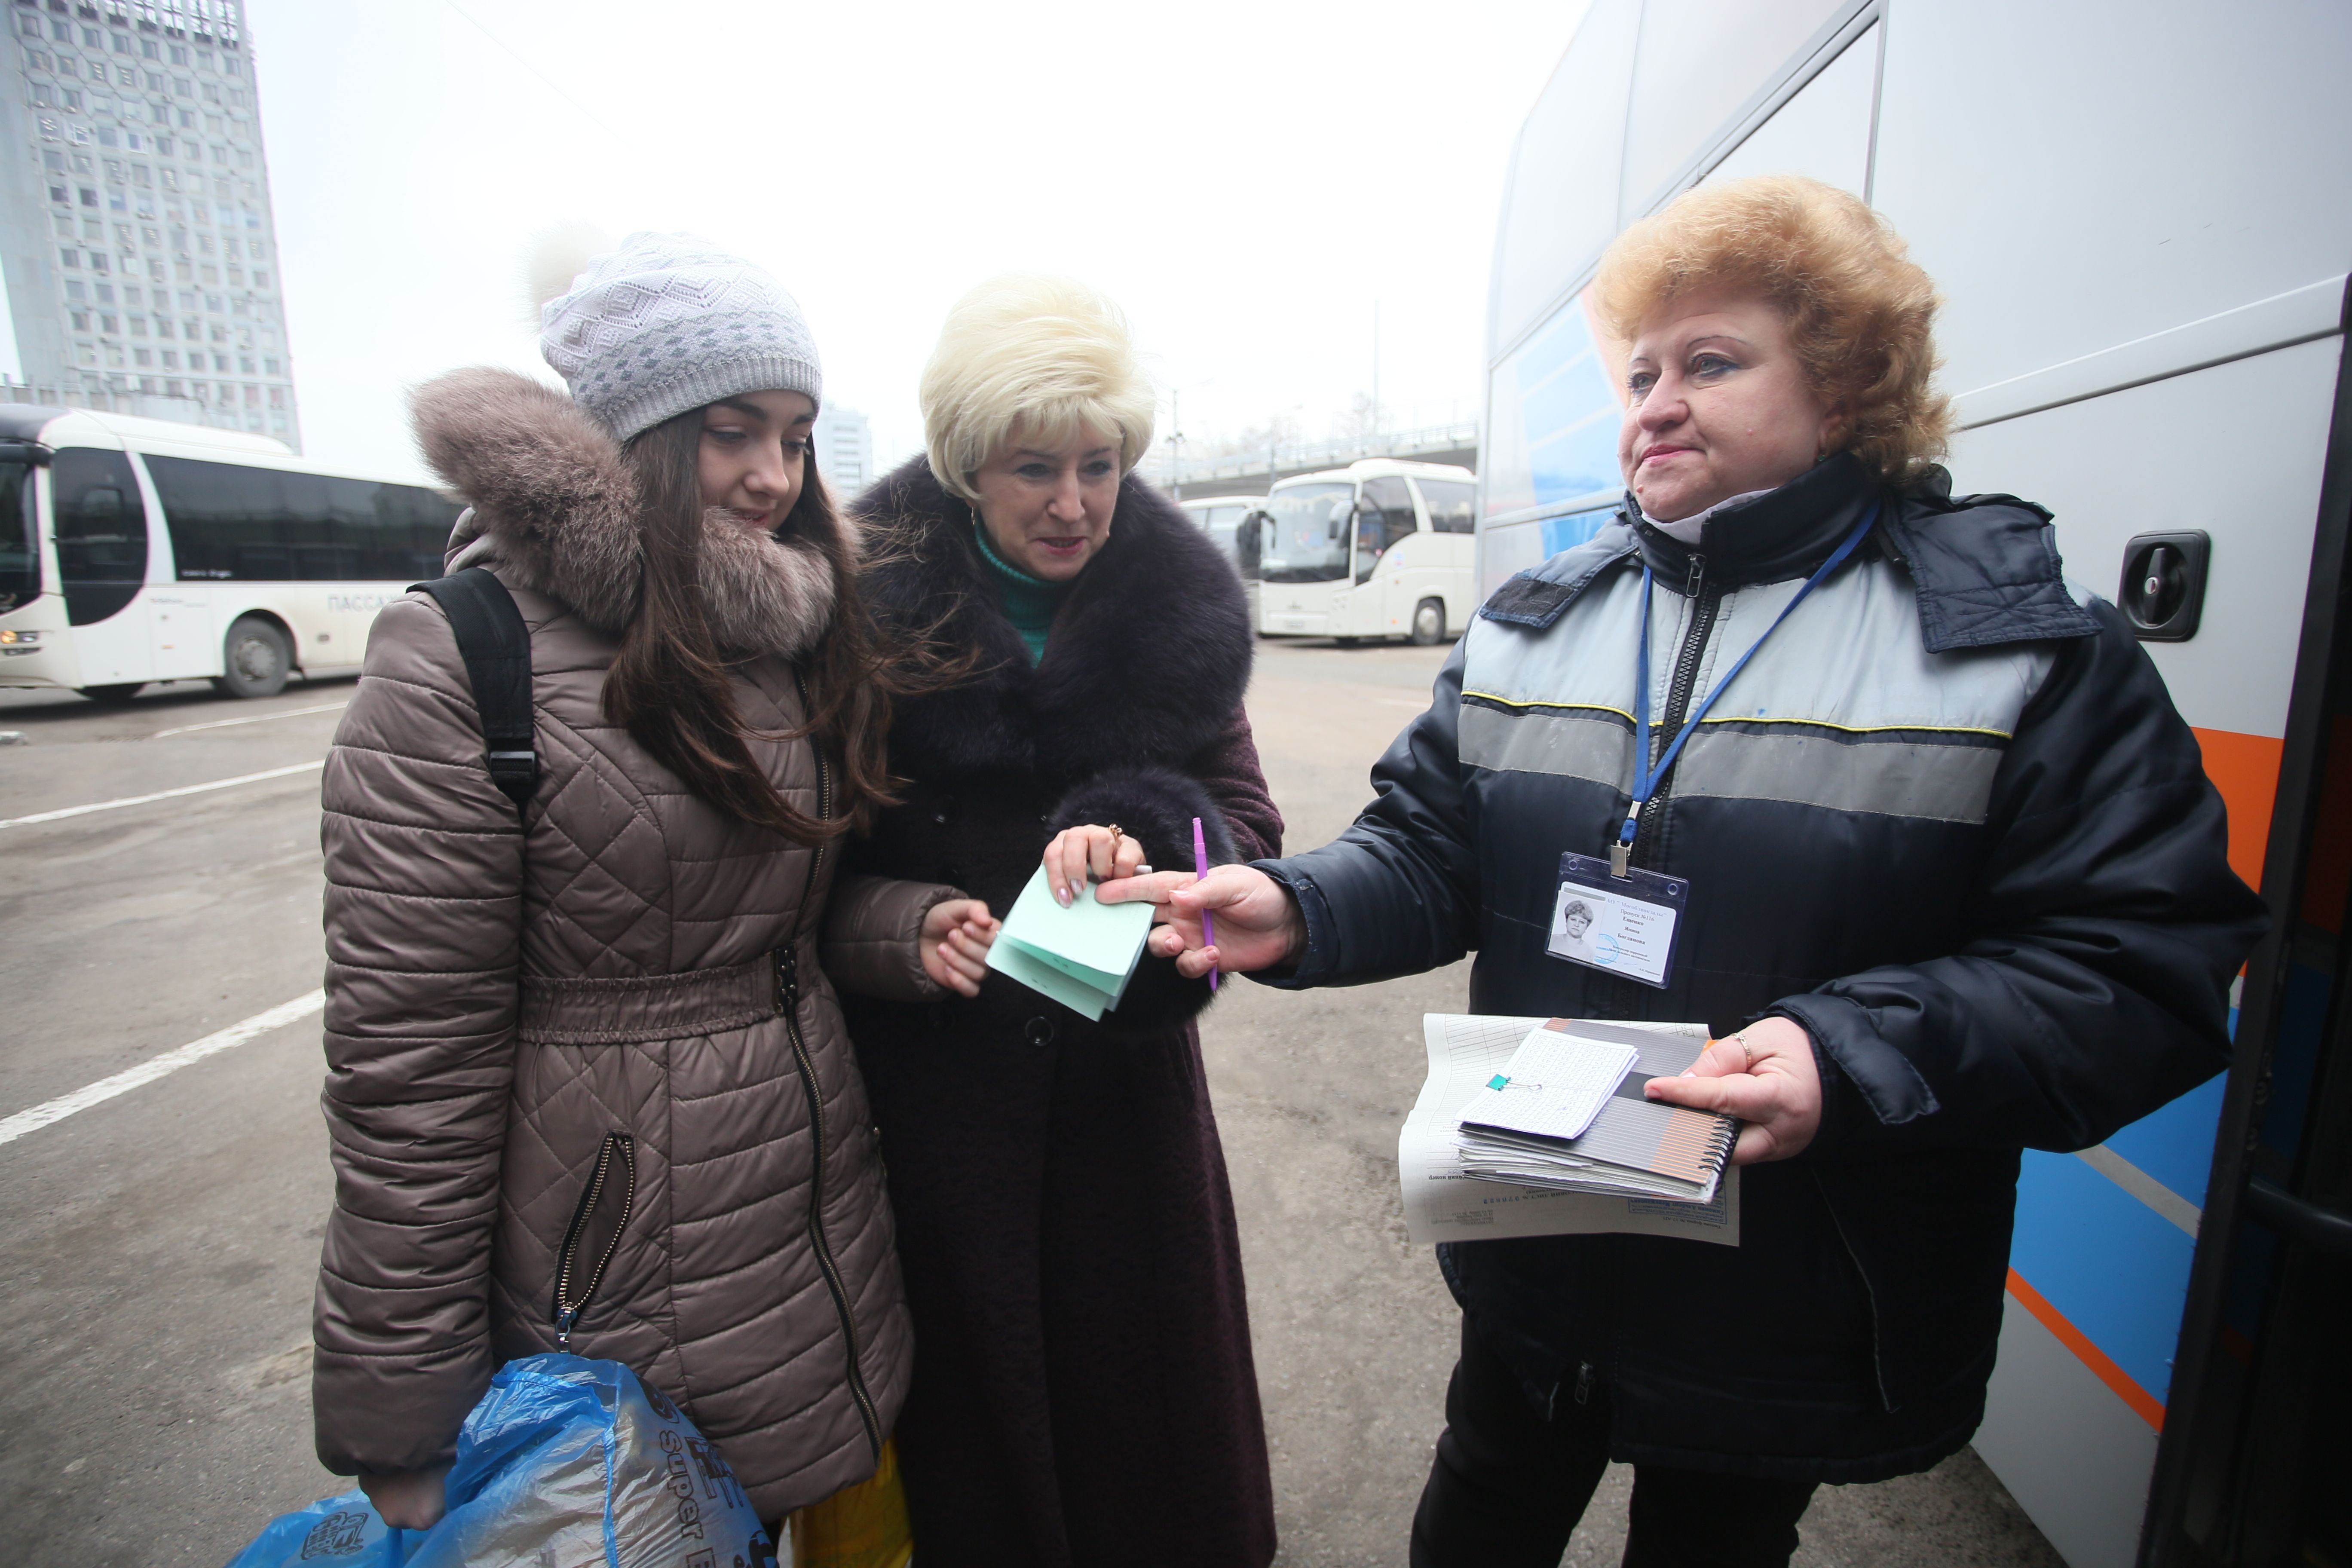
(860, 1526)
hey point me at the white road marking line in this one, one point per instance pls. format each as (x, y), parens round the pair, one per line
(65, 811)
(148, 1071)
(254, 718)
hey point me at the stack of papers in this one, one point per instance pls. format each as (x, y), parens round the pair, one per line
(1082, 956)
(1451, 1194)
(1567, 1114)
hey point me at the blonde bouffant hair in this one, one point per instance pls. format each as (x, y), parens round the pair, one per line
(1036, 356)
(1861, 314)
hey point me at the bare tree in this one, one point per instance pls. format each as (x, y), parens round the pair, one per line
(1362, 421)
(1276, 430)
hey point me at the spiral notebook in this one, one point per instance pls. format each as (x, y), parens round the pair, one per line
(1636, 1170)
(1587, 1127)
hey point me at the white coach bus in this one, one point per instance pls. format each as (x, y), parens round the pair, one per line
(139, 550)
(2138, 216)
(1380, 548)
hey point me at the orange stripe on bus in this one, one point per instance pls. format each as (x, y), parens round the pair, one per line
(2245, 769)
(2150, 1408)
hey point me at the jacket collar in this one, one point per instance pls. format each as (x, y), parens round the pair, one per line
(1148, 658)
(1985, 567)
(555, 504)
(1782, 533)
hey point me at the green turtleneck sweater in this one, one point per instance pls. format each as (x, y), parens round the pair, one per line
(1029, 603)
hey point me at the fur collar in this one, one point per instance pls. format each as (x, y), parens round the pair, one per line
(556, 506)
(1148, 656)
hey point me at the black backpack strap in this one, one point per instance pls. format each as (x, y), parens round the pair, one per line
(495, 646)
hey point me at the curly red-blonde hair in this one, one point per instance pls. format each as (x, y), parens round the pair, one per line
(1860, 311)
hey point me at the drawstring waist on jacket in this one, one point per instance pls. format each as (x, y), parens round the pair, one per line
(634, 1008)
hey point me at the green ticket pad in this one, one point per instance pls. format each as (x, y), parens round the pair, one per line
(1082, 956)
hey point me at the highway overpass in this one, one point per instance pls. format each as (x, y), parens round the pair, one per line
(1252, 475)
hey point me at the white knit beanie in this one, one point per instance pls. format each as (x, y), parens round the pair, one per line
(665, 322)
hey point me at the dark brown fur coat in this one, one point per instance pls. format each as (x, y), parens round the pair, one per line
(1084, 1392)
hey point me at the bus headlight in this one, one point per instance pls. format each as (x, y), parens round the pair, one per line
(9, 637)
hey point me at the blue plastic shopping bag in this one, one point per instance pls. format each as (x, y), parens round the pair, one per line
(566, 1462)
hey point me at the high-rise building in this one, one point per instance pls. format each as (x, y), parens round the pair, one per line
(140, 254)
(845, 450)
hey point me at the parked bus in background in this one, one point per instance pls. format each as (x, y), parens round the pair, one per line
(1379, 549)
(2135, 217)
(1221, 517)
(139, 550)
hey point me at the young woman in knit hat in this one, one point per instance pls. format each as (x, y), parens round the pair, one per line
(588, 1087)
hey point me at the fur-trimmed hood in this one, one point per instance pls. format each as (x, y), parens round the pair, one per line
(1148, 661)
(556, 506)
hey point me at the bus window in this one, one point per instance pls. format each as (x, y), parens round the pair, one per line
(1452, 505)
(237, 523)
(101, 531)
(1306, 536)
(20, 538)
(1385, 517)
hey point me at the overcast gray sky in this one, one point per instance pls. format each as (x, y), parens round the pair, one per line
(1247, 179)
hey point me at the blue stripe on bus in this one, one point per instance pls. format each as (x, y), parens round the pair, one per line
(2116, 1268)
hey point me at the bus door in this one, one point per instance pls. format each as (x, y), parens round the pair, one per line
(2252, 1464)
(1385, 521)
(182, 642)
(99, 518)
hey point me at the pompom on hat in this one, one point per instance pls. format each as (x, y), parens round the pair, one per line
(665, 322)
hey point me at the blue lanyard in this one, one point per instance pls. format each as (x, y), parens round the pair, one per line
(1645, 777)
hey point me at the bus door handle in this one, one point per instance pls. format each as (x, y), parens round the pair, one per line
(2163, 590)
(2299, 1219)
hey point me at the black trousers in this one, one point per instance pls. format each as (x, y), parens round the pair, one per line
(1508, 1486)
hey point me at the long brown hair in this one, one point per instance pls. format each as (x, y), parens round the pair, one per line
(669, 687)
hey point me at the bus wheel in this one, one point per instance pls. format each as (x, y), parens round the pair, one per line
(113, 696)
(255, 659)
(1429, 623)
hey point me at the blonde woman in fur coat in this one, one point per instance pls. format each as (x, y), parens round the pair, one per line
(589, 1086)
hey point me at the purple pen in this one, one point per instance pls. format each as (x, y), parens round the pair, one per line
(1201, 869)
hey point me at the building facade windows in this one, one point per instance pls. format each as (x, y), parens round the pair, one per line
(103, 110)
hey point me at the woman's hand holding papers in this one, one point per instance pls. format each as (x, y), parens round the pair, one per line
(1258, 920)
(1078, 854)
(956, 937)
(1764, 1075)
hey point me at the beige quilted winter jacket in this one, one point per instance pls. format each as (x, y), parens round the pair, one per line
(588, 1060)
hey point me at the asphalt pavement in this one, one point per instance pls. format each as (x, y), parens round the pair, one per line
(159, 1245)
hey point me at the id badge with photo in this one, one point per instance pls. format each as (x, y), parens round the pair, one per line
(1621, 925)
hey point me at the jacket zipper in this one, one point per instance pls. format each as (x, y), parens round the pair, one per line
(1678, 700)
(615, 1148)
(787, 997)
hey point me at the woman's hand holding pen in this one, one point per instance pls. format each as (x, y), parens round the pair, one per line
(1764, 1075)
(1258, 920)
(957, 935)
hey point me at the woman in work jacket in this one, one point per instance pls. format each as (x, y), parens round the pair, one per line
(1951, 879)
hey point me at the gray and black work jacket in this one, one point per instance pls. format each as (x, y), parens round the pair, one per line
(1947, 819)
